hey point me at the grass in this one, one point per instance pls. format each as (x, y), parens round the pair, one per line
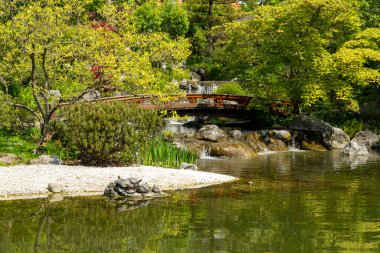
(167, 155)
(19, 145)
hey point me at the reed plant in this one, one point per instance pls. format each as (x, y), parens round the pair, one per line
(165, 154)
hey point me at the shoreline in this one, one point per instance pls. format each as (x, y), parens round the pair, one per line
(31, 181)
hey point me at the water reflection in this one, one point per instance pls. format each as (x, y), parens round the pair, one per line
(298, 202)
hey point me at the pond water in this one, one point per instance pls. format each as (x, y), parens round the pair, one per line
(286, 202)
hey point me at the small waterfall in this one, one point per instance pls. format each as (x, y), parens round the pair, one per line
(293, 145)
(205, 154)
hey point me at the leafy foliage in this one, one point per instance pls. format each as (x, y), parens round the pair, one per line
(169, 17)
(58, 46)
(109, 133)
(232, 88)
(165, 154)
(311, 52)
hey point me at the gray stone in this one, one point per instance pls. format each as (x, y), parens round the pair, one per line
(9, 159)
(93, 95)
(236, 134)
(331, 137)
(46, 159)
(353, 148)
(188, 166)
(55, 93)
(367, 138)
(210, 133)
(55, 187)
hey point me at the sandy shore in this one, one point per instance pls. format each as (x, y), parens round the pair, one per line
(28, 181)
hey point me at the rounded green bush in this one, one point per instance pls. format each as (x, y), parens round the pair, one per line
(230, 89)
(109, 133)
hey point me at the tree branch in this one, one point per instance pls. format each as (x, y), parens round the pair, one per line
(28, 109)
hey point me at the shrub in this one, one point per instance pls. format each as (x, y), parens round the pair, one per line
(230, 89)
(109, 133)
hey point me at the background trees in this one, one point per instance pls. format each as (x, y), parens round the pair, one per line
(55, 52)
(310, 51)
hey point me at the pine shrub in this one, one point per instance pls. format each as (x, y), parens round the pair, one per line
(109, 133)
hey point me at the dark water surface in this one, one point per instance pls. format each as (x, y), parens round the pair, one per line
(299, 202)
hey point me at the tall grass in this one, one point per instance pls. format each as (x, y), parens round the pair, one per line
(164, 154)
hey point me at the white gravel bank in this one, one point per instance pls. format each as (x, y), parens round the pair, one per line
(28, 180)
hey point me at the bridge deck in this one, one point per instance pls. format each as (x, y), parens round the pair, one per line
(206, 104)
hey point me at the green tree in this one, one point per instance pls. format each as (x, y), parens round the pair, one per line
(281, 52)
(50, 47)
(148, 17)
(174, 19)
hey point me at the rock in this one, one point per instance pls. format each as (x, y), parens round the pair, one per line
(236, 134)
(196, 123)
(283, 135)
(353, 148)
(188, 166)
(330, 137)
(231, 149)
(194, 76)
(312, 146)
(256, 143)
(9, 159)
(367, 138)
(210, 133)
(93, 95)
(46, 159)
(55, 93)
(55, 187)
(277, 145)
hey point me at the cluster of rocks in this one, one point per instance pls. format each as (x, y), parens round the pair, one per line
(362, 144)
(235, 143)
(130, 187)
(303, 133)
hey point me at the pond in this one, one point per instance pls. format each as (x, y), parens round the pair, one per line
(285, 202)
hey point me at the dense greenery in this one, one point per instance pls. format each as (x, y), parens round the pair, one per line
(109, 133)
(230, 89)
(55, 52)
(324, 55)
(165, 154)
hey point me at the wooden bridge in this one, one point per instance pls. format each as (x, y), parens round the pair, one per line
(229, 106)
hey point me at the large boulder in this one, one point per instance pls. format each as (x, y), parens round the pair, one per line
(46, 159)
(256, 142)
(211, 133)
(9, 159)
(277, 145)
(231, 149)
(283, 135)
(366, 138)
(330, 137)
(353, 148)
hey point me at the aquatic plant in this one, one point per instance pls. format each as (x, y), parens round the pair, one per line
(165, 154)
